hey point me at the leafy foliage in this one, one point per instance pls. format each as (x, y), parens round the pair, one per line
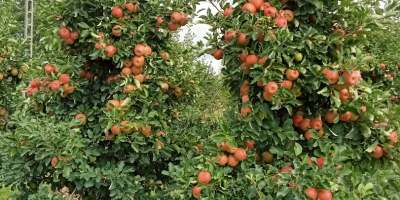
(259, 52)
(45, 145)
(95, 127)
(13, 57)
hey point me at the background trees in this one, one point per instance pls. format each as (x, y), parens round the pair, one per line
(13, 60)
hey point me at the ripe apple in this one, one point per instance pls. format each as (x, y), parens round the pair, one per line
(383, 66)
(332, 76)
(292, 74)
(351, 79)
(344, 94)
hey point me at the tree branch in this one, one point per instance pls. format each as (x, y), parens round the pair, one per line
(214, 5)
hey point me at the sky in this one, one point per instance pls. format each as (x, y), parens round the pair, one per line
(200, 30)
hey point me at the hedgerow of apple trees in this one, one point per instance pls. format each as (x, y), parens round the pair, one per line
(103, 114)
(311, 123)
(13, 57)
(384, 49)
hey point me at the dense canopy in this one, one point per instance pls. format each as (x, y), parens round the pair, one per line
(114, 105)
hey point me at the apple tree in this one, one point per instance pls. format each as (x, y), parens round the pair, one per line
(106, 103)
(310, 121)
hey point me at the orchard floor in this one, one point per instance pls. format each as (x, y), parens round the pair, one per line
(5, 193)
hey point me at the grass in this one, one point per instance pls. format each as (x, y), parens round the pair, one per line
(5, 193)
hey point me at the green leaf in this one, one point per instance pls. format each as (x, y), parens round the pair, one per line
(324, 92)
(126, 102)
(344, 182)
(296, 22)
(137, 83)
(254, 35)
(135, 147)
(338, 128)
(232, 143)
(335, 99)
(274, 150)
(218, 138)
(298, 149)
(371, 148)
(261, 185)
(344, 171)
(251, 191)
(368, 186)
(89, 183)
(266, 111)
(83, 25)
(374, 17)
(360, 188)
(67, 171)
(283, 191)
(84, 33)
(288, 125)
(317, 3)
(224, 128)
(152, 113)
(121, 166)
(365, 130)
(367, 59)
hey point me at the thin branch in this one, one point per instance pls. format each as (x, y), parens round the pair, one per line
(214, 5)
(72, 193)
(130, 142)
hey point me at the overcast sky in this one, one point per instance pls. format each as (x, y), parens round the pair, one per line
(200, 30)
